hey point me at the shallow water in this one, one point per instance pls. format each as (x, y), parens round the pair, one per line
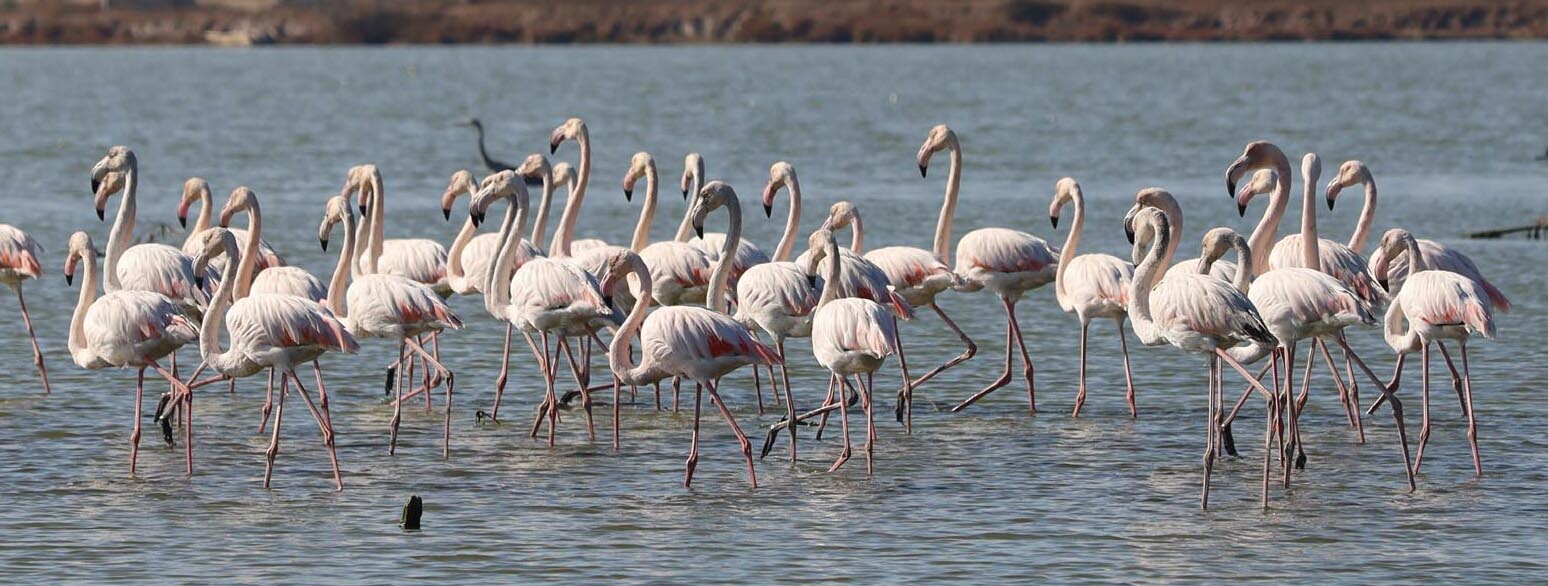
(1450, 131)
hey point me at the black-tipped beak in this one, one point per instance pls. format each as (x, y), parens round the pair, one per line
(811, 281)
(1384, 284)
(199, 282)
(1241, 210)
(628, 195)
(699, 231)
(362, 208)
(924, 171)
(324, 243)
(69, 279)
(1055, 221)
(553, 147)
(95, 184)
(1128, 233)
(607, 300)
(101, 215)
(446, 213)
(768, 211)
(182, 221)
(685, 193)
(478, 218)
(1330, 203)
(1230, 188)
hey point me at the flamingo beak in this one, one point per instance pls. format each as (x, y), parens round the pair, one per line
(698, 230)
(1055, 221)
(324, 243)
(1234, 172)
(198, 281)
(1241, 209)
(182, 221)
(811, 281)
(101, 214)
(553, 145)
(446, 213)
(477, 217)
(924, 170)
(69, 279)
(1332, 194)
(628, 194)
(1384, 284)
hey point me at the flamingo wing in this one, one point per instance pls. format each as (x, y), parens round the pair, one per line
(19, 252)
(1443, 298)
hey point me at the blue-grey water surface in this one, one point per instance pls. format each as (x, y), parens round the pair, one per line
(1450, 131)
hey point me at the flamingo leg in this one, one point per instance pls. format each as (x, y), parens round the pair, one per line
(1005, 375)
(322, 393)
(323, 425)
(1348, 397)
(1225, 425)
(134, 436)
(37, 352)
(397, 410)
(1128, 374)
(268, 404)
(971, 348)
(823, 422)
(741, 438)
(790, 414)
(1456, 379)
(1388, 392)
(182, 395)
(870, 423)
(1268, 448)
(758, 385)
(657, 386)
(905, 394)
(1080, 394)
(1424, 421)
(1209, 436)
(445, 374)
(1026, 357)
(677, 387)
(844, 429)
(617, 388)
(1288, 396)
(542, 359)
(582, 375)
(505, 370)
(1472, 423)
(551, 402)
(693, 445)
(279, 414)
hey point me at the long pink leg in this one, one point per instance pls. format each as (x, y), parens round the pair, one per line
(397, 408)
(505, 369)
(677, 387)
(1456, 380)
(181, 395)
(1005, 375)
(1080, 394)
(905, 394)
(324, 425)
(268, 403)
(1288, 397)
(1026, 357)
(657, 386)
(279, 414)
(37, 352)
(1424, 425)
(134, 436)
(843, 428)
(617, 387)
(450, 379)
(582, 374)
(552, 401)
(322, 392)
(1388, 393)
(758, 385)
(1128, 375)
(870, 425)
(1472, 422)
(752, 475)
(1209, 436)
(542, 359)
(966, 354)
(790, 412)
(1347, 396)
(1247, 392)
(693, 446)
(832, 387)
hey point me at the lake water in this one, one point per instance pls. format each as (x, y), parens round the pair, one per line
(1450, 131)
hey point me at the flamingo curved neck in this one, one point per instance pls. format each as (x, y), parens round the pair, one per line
(249, 262)
(620, 353)
(566, 232)
(497, 293)
(1362, 231)
(544, 200)
(215, 314)
(378, 220)
(949, 206)
(341, 272)
(1309, 238)
(647, 213)
(1416, 260)
(715, 299)
(696, 182)
(857, 234)
(202, 222)
(792, 221)
(88, 296)
(1146, 275)
(454, 268)
(122, 234)
(830, 275)
(1071, 241)
(1267, 230)
(1242, 280)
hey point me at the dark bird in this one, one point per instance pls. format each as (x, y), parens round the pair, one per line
(495, 166)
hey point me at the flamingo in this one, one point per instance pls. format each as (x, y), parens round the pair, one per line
(196, 189)
(418, 259)
(1198, 314)
(1008, 263)
(679, 270)
(747, 254)
(1163, 200)
(157, 268)
(1090, 285)
(565, 244)
(471, 254)
(392, 307)
(692, 342)
(1436, 255)
(269, 332)
(494, 165)
(545, 296)
(1437, 305)
(276, 279)
(127, 329)
(850, 337)
(18, 263)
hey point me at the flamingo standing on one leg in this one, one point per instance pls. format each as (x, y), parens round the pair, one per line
(269, 332)
(387, 306)
(1196, 313)
(1090, 285)
(691, 342)
(18, 263)
(1006, 262)
(1438, 305)
(127, 329)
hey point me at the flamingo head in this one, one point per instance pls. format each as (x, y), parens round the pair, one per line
(500, 185)
(1259, 154)
(940, 138)
(820, 244)
(1065, 191)
(1350, 173)
(535, 170)
(572, 129)
(1263, 181)
(1217, 242)
(241, 199)
(335, 211)
(120, 160)
(112, 183)
(461, 183)
(211, 243)
(711, 197)
(841, 215)
(693, 170)
(80, 247)
(194, 189)
(1147, 222)
(1393, 242)
(781, 174)
(564, 174)
(641, 165)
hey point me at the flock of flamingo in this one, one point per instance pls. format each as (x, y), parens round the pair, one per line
(698, 305)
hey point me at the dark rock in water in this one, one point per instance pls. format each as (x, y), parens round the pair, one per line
(411, 513)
